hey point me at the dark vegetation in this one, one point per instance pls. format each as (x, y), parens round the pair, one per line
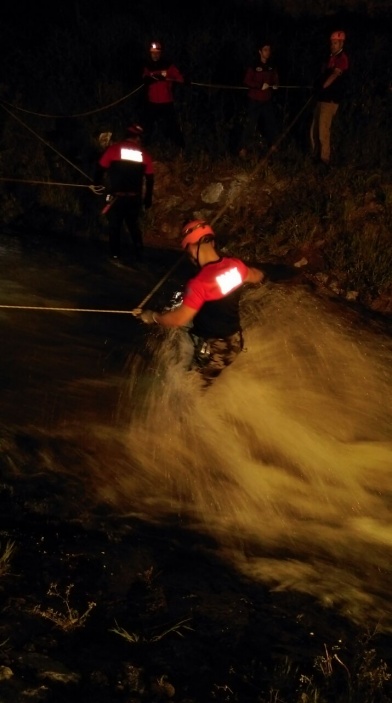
(115, 606)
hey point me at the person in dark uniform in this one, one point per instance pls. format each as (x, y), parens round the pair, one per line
(159, 76)
(261, 79)
(130, 176)
(210, 303)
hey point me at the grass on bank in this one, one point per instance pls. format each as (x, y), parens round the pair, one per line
(5, 558)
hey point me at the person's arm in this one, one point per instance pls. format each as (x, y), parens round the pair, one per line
(254, 276)
(179, 317)
(341, 65)
(146, 76)
(337, 72)
(174, 74)
(251, 79)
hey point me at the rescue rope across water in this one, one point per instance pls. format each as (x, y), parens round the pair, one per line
(95, 189)
(52, 309)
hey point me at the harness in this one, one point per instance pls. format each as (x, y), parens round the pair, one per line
(202, 346)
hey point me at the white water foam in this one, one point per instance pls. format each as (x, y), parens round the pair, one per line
(286, 460)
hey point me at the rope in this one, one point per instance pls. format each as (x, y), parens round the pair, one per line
(272, 149)
(136, 311)
(50, 183)
(40, 308)
(262, 163)
(46, 143)
(242, 87)
(129, 95)
(78, 114)
(297, 87)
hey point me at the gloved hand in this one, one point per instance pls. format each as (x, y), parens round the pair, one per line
(136, 312)
(148, 317)
(265, 86)
(275, 87)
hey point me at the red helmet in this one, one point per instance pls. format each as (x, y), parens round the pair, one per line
(155, 46)
(339, 36)
(135, 129)
(194, 231)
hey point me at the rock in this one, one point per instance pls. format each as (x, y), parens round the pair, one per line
(301, 262)
(212, 193)
(48, 669)
(5, 673)
(352, 295)
(335, 287)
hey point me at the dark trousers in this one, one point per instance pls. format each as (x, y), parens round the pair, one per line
(212, 356)
(260, 115)
(163, 118)
(125, 209)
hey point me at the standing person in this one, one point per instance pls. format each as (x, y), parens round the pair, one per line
(210, 303)
(261, 79)
(159, 76)
(130, 176)
(332, 87)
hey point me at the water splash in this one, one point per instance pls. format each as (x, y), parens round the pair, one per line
(286, 461)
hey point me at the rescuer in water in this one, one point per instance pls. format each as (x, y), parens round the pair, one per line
(210, 303)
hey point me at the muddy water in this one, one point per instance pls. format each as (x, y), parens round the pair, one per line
(286, 461)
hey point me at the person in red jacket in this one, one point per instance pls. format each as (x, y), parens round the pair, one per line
(160, 76)
(130, 176)
(210, 303)
(261, 79)
(331, 90)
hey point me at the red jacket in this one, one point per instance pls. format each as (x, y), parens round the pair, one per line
(255, 76)
(159, 77)
(127, 165)
(337, 90)
(215, 293)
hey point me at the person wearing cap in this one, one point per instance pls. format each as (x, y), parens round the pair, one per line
(160, 76)
(261, 79)
(210, 303)
(128, 170)
(331, 88)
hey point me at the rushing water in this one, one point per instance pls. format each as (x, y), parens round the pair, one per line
(285, 461)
